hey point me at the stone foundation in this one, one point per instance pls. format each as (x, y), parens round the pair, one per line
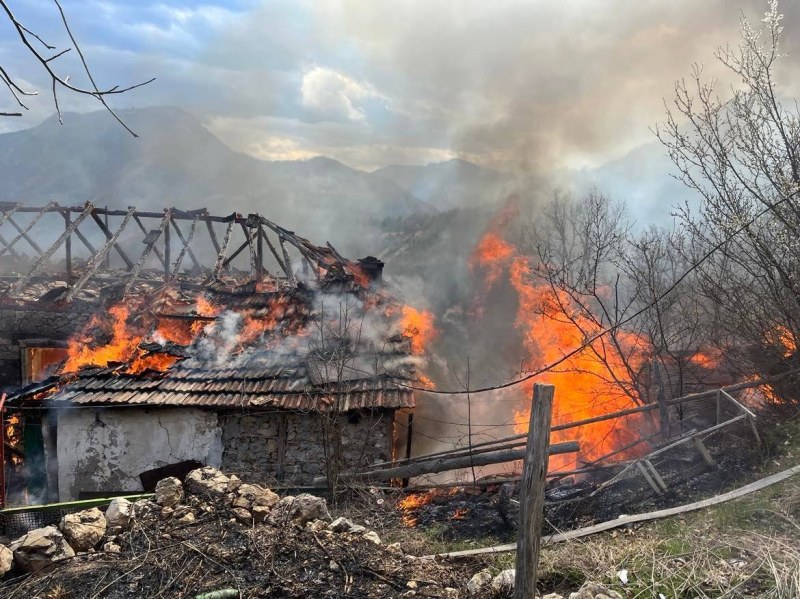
(288, 447)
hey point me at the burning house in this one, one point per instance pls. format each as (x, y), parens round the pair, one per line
(265, 355)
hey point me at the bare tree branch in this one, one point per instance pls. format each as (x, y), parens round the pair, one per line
(28, 37)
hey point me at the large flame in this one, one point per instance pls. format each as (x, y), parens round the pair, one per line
(594, 382)
(418, 327)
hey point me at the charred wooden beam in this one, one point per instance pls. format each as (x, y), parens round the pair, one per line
(167, 250)
(109, 235)
(23, 233)
(85, 242)
(8, 247)
(150, 244)
(233, 256)
(185, 243)
(185, 247)
(211, 234)
(286, 260)
(274, 251)
(95, 261)
(19, 285)
(156, 251)
(68, 247)
(418, 468)
(246, 228)
(220, 264)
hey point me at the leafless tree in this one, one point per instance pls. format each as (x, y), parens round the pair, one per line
(579, 250)
(742, 155)
(45, 55)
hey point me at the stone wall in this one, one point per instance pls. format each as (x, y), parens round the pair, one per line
(106, 449)
(252, 444)
(23, 322)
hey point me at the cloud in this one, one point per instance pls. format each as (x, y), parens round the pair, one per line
(333, 95)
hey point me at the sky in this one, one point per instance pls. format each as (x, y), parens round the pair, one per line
(534, 86)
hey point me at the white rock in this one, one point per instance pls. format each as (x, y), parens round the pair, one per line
(40, 548)
(504, 581)
(341, 525)
(207, 481)
(372, 537)
(479, 582)
(169, 492)
(6, 560)
(83, 530)
(119, 512)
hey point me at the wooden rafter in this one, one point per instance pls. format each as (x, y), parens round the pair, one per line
(220, 263)
(24, 232)
(149, 247)
(19, 285)
(95, 261)
(185, 248)
(109, 235)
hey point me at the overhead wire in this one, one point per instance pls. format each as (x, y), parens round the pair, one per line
(614, 327)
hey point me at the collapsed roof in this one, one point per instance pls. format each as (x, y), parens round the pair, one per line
(235, 329)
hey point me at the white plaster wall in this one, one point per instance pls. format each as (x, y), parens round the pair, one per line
(106, 449)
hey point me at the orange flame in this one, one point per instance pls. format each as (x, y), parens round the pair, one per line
(417, 325)
(594, 382)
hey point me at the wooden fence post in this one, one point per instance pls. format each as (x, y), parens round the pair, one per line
(531, 500)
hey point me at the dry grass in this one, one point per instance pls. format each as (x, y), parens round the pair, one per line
(745, 548)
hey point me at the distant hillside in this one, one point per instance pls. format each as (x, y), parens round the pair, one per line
(451, 184)
(177, 162)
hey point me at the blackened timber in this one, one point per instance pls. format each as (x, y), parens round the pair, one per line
(6, 213)
(273, 250)
(8, 247)
(24, 232)
(252, 250)
(231, 258)
(223, 250)
(109, 235)
(418, 468)
(260, 249)
(150, 246)
(287, 261)
(95, 261)
(68, 246)
(166, 250)
(185, 247)
(16, 287)
(156, 251)
(211, 234)
(85, 241)
(186, 243)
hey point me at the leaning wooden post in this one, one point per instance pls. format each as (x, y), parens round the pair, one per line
(531, 499)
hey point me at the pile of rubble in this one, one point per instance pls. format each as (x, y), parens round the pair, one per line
(215, 533)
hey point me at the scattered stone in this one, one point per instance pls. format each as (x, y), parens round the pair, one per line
(412, 584)
(372, 537)
(169, 492)
(394, 549)
(187, 518)
(242, 515)
(333, 566)
(6, 560)
(478, 583)
(144, 508)
(316, 525)
(341, 525)
(119, 513)
(301, 508)
(167, 512)
(233, 483)
(260, 513)
(449, 593)
(257, 495)
(593, 590)
(207, 481)
(83, 530)
(40, 548)
(357, 529)
(553, 596)
(111, 547)
(504, 581)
